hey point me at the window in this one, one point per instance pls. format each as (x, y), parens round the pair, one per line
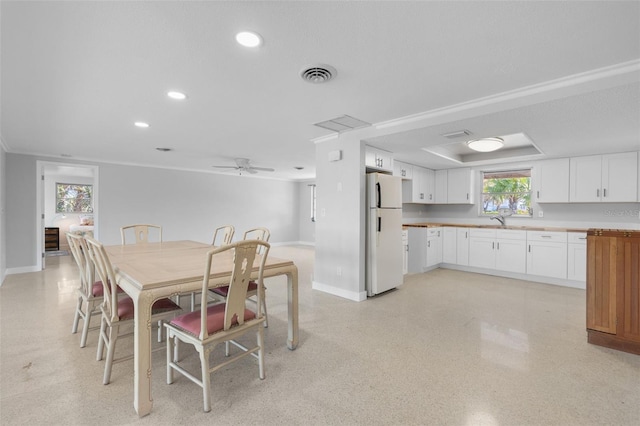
(507, 190)
(313, 202)
(74, 198)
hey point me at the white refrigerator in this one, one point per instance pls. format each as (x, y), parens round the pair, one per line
(384, 233)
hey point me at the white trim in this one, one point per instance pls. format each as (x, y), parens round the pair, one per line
(523, 92)
(24, 269)
(336, 291)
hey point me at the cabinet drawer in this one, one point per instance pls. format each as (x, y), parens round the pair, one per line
(482, 233)
(434, 232)
(510, 234)
(577, 237)
(556, 237)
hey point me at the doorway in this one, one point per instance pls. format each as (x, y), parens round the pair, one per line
(53, 221)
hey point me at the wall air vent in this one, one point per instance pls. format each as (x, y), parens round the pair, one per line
(343, 123)
(457, 134)
(319, 73)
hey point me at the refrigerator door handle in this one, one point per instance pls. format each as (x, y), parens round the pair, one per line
(379, 224)
(378, 195)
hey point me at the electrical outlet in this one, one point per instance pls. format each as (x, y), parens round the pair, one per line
(540, 213)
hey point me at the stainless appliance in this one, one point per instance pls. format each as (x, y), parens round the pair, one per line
(384, 233)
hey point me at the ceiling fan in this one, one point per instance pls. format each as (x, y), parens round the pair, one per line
(244, 165)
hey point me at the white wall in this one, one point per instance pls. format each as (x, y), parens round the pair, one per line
(307, 230)
(3, 223)
(340, 226)
(189, 205)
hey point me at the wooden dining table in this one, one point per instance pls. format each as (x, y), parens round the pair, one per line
(151, 271)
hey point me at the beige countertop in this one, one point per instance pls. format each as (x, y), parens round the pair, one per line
(520, 228)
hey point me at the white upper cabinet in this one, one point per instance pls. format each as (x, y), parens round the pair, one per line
(403, 170)
(460, 186)
(378, 159)
(441, 181)
(611, 178)
(420, 189)
(552, 181)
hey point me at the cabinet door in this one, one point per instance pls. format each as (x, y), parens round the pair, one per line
(459, 186)
(482, 252)
(449, 243)
(462, 246)
(630, 289)
(552, 181)
(511, 255)
(434, 247)
(601, 283)
(577, 262)
(547, 259)
(619, 177)
(440, 191)
(402, 170)
(585, 180)
(429, 186)
(417, 253)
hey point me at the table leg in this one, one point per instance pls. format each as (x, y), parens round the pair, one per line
(292, 296)
(142, 401)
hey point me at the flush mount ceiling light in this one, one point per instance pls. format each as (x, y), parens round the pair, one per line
(177, 95)
(249, 39)
(141, 124)
(164, 149)
(486, 144)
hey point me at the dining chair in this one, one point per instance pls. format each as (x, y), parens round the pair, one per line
(222, 322)
(222, 235)
(220, 293)
(226, 235)
(117, 312)
(141, 233)
(90, 291)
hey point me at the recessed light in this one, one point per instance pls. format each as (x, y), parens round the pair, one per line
(177, 95)
(249, 39)
(486, 144)
(164, 149)
(298, 167)
(141, 124)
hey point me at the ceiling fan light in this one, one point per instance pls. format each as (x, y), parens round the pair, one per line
(486, 144)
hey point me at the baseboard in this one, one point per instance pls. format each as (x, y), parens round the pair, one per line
(22, 270)
(345, 294)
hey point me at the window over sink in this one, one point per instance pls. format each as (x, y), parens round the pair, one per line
(510, 189)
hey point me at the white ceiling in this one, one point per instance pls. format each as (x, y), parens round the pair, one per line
(76, 75)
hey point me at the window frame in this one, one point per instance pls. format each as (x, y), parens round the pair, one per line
(58, 199)
(527, 195)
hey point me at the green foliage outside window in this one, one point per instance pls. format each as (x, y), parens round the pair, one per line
(74, 198)
(507, 190)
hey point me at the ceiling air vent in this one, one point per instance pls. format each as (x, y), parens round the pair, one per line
(318, 73)
(343, 123)
(457, 134)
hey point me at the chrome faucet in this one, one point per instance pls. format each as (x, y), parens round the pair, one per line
(500, 219)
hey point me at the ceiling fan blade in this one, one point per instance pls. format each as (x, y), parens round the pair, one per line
(251, 170)
(225, 167)
(263, 169)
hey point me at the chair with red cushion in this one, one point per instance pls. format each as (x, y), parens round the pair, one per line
(118, 311)
(90, 291)
(223, 322)
(220, 293)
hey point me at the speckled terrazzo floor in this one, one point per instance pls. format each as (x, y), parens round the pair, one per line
(446, 348)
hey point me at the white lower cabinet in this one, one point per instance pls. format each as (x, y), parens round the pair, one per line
(577, 256)
(547, 254)
(434, 247)
(449, 243)
(417, 249)
(462, 246)
(500, 249)
(405, 251)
